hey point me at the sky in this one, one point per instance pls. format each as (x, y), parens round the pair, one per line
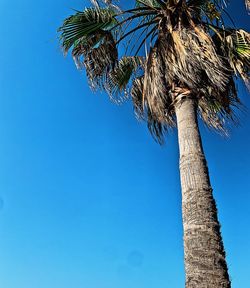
(87, 198)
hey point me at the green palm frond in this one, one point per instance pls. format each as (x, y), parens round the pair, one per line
(122, 75)
(83, 24)
(236, 48)
(93, 44)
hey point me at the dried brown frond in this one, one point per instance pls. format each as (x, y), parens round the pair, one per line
(156, 94)
(184, 59)
(191, 59)
(136, 95)
(100, 56)
(142, 112)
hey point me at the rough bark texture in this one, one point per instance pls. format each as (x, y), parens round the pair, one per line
(205, 263)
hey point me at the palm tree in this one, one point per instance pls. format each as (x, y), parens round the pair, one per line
(179, 60)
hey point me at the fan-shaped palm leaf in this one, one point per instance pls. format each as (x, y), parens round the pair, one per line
(86, 23)
(234, 47)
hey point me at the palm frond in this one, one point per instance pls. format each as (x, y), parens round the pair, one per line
(95, 3)
(154, 4)
(85, 23)
(236, 49)
(109, 3)
(143, 112)
(122, 75)
(98, 55)
(137, 98)
(186, 57)
(155, 87)
(217, 109)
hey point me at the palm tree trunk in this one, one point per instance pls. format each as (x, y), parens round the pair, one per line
(205, 263)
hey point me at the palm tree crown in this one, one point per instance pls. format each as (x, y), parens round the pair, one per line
(183, 48)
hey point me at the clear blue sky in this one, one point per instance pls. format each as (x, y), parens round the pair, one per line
(87, 198)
